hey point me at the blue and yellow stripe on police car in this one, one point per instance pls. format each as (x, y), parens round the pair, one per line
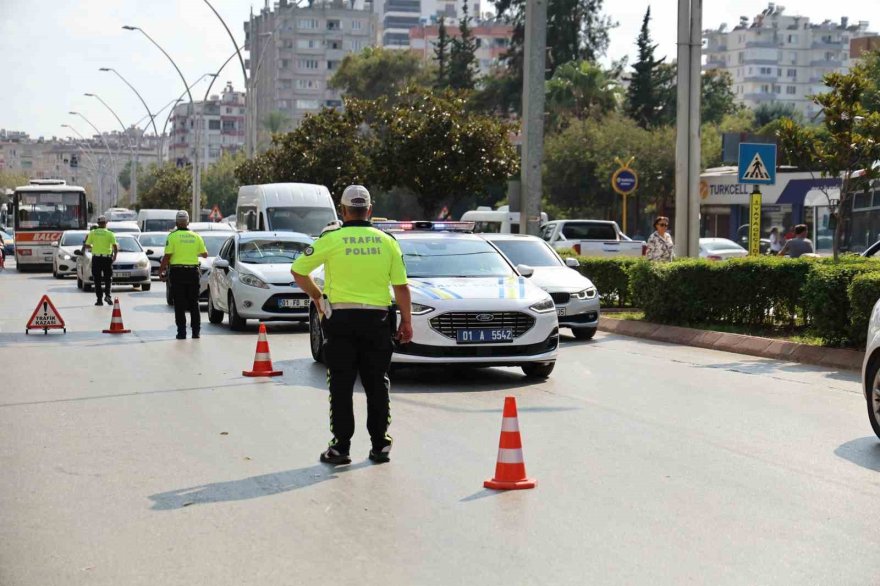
(511, 288)
(434, 291)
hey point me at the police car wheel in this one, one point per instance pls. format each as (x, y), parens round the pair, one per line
(316, 336)
(538, 370)
(236, 322)
(214, 316)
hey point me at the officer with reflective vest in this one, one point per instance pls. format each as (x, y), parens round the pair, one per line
(361, 265)
(182, 252)
(102, 243)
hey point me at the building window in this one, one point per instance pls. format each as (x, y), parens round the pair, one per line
(357, 25)
(791, 90)
(307, 43)
(285, 84)
(332, 65)
(792, 39)
(284, 104)
(777, 89)
(792, 73)
(213, 125)
(357, 45)
(307, 23)
(307, 63)
(765, 89)
(285, 63)
(334, 44)
(333, 103)
(334, 25)
(307, 104)
(288, 44)
(228, 125)
(778, 72)
(766, 71)
(308, 84)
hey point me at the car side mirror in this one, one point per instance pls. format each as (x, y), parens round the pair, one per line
(78, 252)
(149, 251)
(572, 263)
(525, 270)
(55, 244)
(221, 263)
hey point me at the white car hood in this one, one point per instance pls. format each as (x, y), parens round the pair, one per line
(424, 290)
(69, 249)
(129, 257)
(158, 251)
(559, 279)
(269, 273)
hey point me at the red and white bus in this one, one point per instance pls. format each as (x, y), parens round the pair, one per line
(43, 210)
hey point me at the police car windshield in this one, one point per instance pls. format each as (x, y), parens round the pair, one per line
(73, 239)
(128, 244)
(214, 242)
(534, 253)
(264, 252)
(450, 257)
(296, 219)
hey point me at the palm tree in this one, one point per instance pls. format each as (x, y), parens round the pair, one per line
(275, 122)
(582, 88)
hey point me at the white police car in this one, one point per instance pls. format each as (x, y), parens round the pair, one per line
(871, 370)
(469, 303)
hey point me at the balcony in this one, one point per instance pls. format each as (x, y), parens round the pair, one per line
(760, 97)
(762, 44)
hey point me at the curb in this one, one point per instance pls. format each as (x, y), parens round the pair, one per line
(838, 358)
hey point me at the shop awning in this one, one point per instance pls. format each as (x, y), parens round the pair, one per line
(796, 191)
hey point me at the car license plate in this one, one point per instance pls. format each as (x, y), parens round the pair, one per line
(560, 311)
(122, 275)
(293, 303)
(484, 336)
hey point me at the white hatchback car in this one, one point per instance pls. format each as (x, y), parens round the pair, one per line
(251, 279)
(871, 370)
(155, 241)
(64, 260)
(132, 267)
(470, 306)
(721, 249)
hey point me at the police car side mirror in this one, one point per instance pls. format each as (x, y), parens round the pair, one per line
(572, 263)
(525, 270)
(221, 264)
(55, 244)
(78, 252)
(149, 252)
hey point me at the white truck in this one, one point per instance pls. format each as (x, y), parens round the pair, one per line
(500, 221)
(591, 238)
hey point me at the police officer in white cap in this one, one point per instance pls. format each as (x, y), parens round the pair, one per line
(182, 252)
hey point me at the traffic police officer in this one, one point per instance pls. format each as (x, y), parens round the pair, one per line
(182, 252)
(102, 243)
(360, 262)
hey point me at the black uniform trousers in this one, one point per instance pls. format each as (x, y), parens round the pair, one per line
(102, 275)
(359, 342)
(185, 292)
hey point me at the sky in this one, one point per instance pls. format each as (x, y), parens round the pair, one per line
(50, 51)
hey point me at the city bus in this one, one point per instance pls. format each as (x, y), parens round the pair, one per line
(42, 210)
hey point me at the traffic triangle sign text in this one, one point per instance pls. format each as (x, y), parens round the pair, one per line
(45, 316)
(757, 169)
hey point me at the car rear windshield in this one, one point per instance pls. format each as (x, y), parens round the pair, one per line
(153, 239)
(214, 242)
(270, 251)
(528, 252)
(73, 239)
(448, 257)
(159, 225)
(303, 220)
(128, 244)
(588, 231)
(721, 244)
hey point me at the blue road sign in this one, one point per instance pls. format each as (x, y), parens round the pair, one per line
(624, 181)
(757, 163)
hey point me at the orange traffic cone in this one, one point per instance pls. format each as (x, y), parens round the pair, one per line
(262, 360)
(510, 471)
(116, 326)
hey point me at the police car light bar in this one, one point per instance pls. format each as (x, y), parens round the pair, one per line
(425, 226)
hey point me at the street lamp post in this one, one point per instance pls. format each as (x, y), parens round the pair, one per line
(133, 156)
(255, 78)
(109, 153)
(196, 188)
(95, 163)
(147, 108)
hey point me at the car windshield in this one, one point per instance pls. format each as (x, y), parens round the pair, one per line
(160, 225)
(721, 244)
(304, 220)
(123, 229)
(73, 239)
(270, 251)
(213, 242)
(450, 257)
(534, 253)
(121, 216)
(153, 239)
(128, 244)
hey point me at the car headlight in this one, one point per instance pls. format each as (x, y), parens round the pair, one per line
(419, 309)
(252, 281)
(587, 293)
(543, 306)
(66, 257)
(142, 264)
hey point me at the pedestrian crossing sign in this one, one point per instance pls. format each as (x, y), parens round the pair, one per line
(757, 163)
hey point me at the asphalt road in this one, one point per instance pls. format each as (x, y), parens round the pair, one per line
(140, 459)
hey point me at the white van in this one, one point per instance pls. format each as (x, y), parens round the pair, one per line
(500, 221)
(285, 207)
(157, 220)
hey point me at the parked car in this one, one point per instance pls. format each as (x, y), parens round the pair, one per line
(304, 208)
(153, 220)
(742, 236)
(210, 227)
(155, 242)
(721, 249)
(251, 279)
(871, 370)
(575, 296)
(123, 227)
(64, 259)
(591, 238)
(132, 267)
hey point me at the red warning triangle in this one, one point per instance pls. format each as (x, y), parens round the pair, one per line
(215, 214)
(45, 316)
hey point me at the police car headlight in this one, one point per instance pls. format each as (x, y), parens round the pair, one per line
(142, 264)
(587, 293)
(419, 309)
(252, 281)
(66, 257)
(544, 306)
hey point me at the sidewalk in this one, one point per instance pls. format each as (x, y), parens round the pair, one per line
(838, 358)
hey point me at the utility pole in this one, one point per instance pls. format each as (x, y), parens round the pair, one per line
(535, 63)
(687, 143)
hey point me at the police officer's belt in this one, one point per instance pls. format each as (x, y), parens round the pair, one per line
(184, 266)
(336, 306)
(103, 255)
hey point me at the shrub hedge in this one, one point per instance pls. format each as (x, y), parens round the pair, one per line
(610, 276)
(863, 292)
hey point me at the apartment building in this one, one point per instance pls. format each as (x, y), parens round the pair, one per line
(294, 51)
(492, 37)
(777, 57)
(222, 122)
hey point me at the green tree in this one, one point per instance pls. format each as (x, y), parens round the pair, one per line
(441, 56)
(581, 89)
(871, 64)
(643, 99)
(773, 111)
(846, 146)
(376, 72)
(168, 187)
(275, 122)
(462, 54)
(219, 183)
(12, 179)
(717, 99)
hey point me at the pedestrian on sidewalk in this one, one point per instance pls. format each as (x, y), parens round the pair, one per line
(799, 245)
(361, 265)
(182, 252)
(102, 243)
(776, 243)
(660, 245)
